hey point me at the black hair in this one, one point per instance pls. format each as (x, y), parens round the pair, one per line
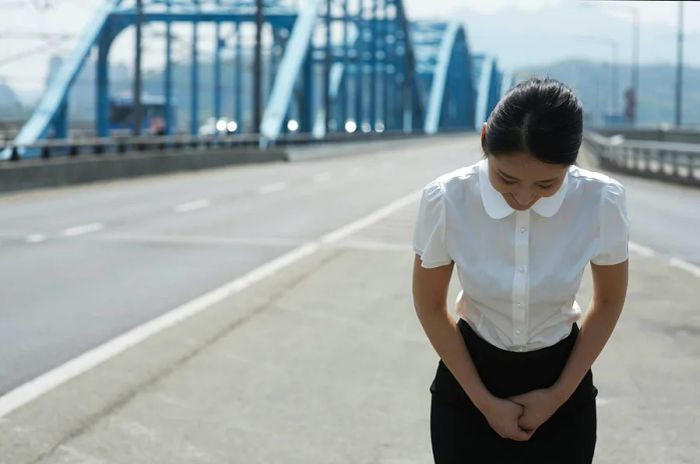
(541, 116)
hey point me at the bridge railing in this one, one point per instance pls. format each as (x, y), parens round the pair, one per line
(670, 161)
(51, 148)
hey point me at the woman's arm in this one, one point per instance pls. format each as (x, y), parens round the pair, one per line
(609, 291)
(430, 288)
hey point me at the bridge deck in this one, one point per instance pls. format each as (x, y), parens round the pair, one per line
(321, 360)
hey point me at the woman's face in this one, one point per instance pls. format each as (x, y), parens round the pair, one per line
(522, 179)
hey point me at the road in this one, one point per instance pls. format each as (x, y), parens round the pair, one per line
(326, 355)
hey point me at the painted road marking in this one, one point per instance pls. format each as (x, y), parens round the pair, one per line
(81, 230)
(274, 187)
(35, 238)
(191, 206)
(322, 176)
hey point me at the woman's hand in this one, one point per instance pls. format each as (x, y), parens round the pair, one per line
(538, 406)
(503, 415)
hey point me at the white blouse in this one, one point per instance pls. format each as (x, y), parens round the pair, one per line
(520, 271)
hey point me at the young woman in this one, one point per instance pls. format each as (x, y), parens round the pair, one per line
(514, 380)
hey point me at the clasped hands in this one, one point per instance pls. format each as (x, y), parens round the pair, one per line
(518, 417)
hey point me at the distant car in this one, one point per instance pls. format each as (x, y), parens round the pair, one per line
(221, 126)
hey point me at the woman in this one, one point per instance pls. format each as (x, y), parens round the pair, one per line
(513, 383)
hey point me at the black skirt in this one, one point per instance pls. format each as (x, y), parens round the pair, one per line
(460, 433)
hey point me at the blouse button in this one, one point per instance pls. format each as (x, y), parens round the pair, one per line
(517, 331)
(519, 305)
(522, 229)
(522, 268)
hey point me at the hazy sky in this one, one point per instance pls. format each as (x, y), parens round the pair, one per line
(651, 12)
(33, 29)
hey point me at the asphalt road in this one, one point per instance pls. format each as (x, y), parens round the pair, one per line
(80, 265)
(329, 364)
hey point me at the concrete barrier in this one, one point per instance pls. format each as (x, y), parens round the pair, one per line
(54, 172)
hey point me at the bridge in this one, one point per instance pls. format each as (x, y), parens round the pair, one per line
(261, 311)
(372, 70)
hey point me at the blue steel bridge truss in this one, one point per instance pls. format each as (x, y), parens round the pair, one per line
(331, 65)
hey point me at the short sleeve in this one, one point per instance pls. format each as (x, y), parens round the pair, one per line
(614, 226)
(429, 231)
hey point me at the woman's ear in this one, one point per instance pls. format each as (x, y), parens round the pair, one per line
(483, 134)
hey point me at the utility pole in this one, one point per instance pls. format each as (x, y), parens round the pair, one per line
(679, 68)
(137, 71)
(635, 67)
(327, 71)
(257, 67)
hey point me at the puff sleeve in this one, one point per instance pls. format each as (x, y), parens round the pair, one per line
(614, 226)
(429, 231)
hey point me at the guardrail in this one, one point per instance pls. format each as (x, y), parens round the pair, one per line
(121, 145)
(669, 161)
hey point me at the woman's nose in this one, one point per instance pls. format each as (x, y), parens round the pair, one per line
(523, 197)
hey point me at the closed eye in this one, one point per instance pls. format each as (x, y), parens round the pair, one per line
(515, 182)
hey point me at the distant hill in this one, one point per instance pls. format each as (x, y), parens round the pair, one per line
(656, 103)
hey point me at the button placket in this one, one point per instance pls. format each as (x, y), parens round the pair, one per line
(521, 277)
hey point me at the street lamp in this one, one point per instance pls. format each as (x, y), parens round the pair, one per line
(612, 99)
(635, 54)
(679, 67)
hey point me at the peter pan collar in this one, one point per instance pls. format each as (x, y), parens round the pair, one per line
(497, 207)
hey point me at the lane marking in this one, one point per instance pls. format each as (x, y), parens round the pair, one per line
(35, 238)
(86, 361)
(685, 265)
(274, 187)
(81, 230)
(322, 176)
(198, 239)
(256, 241)
(641, 249)
(374, 245)
(670, 260)
(191, 206)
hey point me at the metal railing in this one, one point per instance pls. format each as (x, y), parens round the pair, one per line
(670, 161)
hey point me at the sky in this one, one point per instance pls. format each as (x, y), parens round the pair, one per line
(34, 29)
(651, 12)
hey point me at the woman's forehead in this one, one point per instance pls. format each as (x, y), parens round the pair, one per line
(525, 166)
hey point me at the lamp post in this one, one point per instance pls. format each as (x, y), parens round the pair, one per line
(635, 56)
(257, 66)
(635, 53)
(679, 68)
(612, 99)
(137, 112)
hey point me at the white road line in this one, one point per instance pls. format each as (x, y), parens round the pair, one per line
(375, 245)
(192, 205)
(641, 249)
(198, 239)
(685, 265)
(86, 361)
(35, 238)
(274, 187)
(672, 261)
(80, 230)
(322, 176)
(368, 220)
